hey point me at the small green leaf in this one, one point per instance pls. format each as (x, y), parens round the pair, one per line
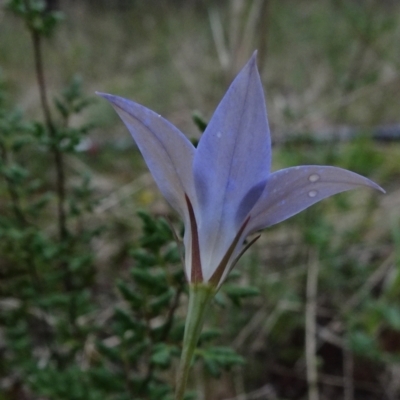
(130, 295)
(157, 304)
(237, 293)
(199, 121)
(163, 354)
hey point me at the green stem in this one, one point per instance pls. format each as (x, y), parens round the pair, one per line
(200, 295)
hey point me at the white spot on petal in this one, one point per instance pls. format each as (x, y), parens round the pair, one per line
(219, 134)
(313, 178)
(312, 193)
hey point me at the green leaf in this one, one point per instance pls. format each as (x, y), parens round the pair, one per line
(153, 282)
(219, 357)
(199, 121)
(110, 352)
(363, 344)
(105, 379)
(131, 296)
(144, 258)
(392, 316)
(209, 335)
(128, 322)
(237, 293)
(162, 355)
(157, 304)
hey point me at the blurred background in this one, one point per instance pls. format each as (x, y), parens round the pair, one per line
(319, 313)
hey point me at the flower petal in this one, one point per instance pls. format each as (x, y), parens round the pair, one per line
(292, 190)
(231, 163)
(233, 155)
(166, 150)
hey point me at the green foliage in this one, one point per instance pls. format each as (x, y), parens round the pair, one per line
(199, 121)
(48, 264)
(47, 267)
(144, 326)
(36, 15)
(216, 359)
(146, 329)
(238, 292)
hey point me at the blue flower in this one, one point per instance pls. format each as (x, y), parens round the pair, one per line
(223, 189)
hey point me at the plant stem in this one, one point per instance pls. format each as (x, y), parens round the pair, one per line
(58, 159)
(200, 296)
(60, 181)
(59, 165)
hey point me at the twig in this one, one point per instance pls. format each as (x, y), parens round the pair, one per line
(238, 382)
(171, 313)
(328, 333)
(235, 31)
(58, 161)
(250, 29)
(218, 36)
(363, 291)
(326, 379)
(348, 381)
(311, 326)
(39, 69)
(332, 105)
(263, 30)
(116, 197)
(266, 392)
(60, 175)
(259, 318)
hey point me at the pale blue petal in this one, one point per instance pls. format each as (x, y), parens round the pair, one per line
(292, 190)
(166, 150)
(231, 163)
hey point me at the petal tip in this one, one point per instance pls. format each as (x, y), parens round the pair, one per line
(107, 96)
(382, 190)
(375, 186)
(116, 101)
(253, 59)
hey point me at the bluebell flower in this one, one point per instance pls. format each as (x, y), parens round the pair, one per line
(224, 189)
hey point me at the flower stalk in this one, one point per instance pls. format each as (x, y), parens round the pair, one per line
(200, 296)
